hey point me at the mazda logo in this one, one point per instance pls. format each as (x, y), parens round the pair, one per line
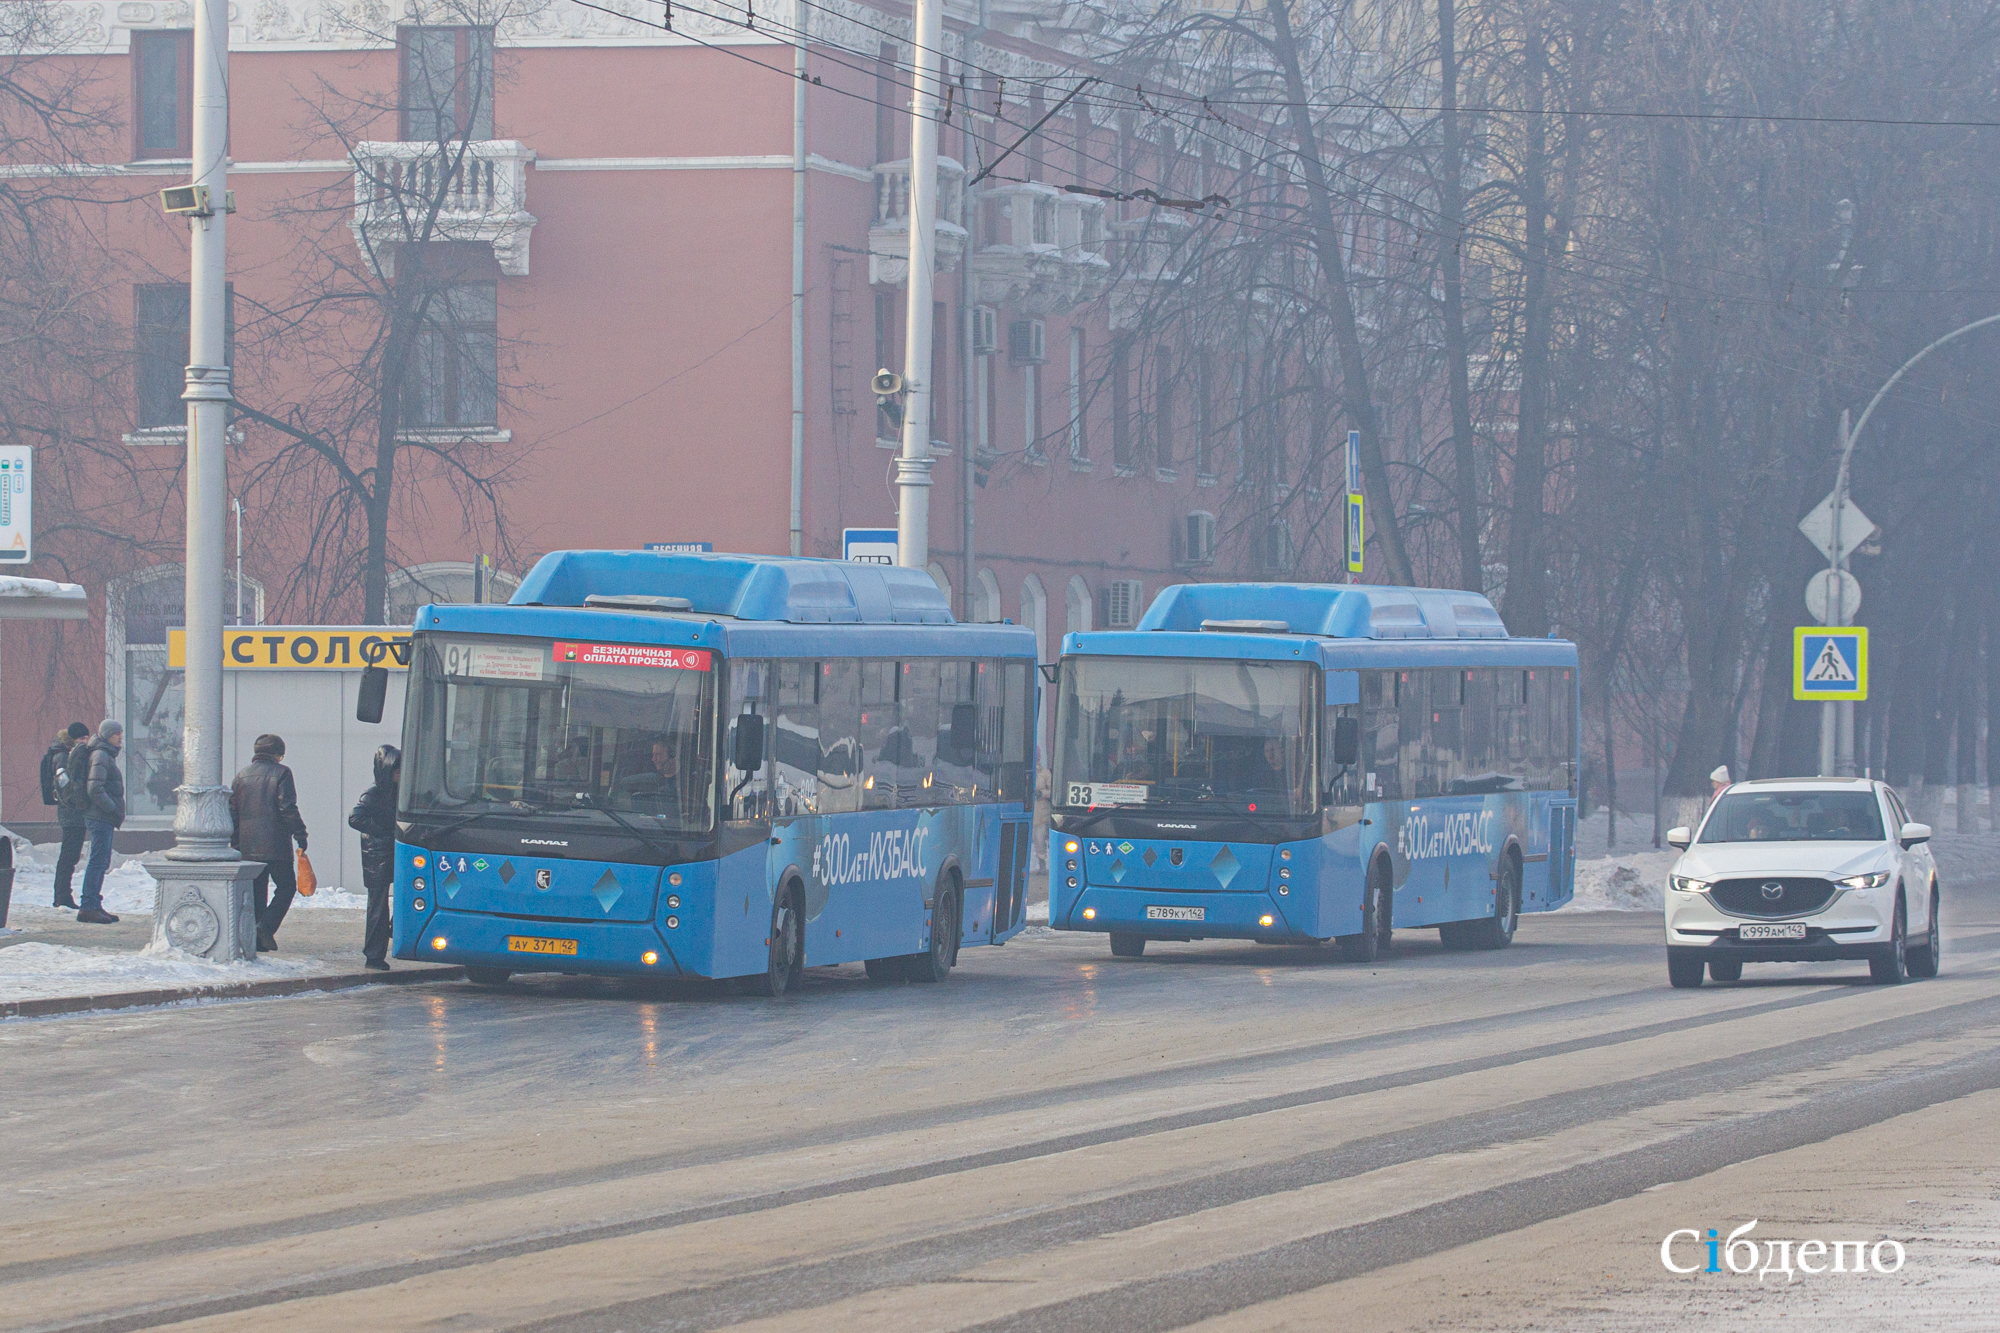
(1773, 891)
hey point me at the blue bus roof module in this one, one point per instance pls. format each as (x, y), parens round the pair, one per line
(1326, 610)
(743, 587)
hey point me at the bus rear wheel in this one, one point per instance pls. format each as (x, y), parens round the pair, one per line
(1495, 931)
(934, 964)
(785, 961)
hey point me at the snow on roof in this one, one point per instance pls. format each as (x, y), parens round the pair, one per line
(44, 599)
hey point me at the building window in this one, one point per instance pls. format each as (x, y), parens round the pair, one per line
(940, 373)
(1204, 418)
(887, 87)
(163, 94)
(447, 83)
(1165, 457)
(1031, 409)
(160, 338)
(1121, 406)
(456, 376)
(1078, 447)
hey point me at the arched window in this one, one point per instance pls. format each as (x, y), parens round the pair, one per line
(986, 597)
(1035, 615)
(1076, 603)
(441, 581)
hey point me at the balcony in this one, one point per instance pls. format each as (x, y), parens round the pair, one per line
(479, 192)
(889, 234)
(1043, 250)
(1149, 250)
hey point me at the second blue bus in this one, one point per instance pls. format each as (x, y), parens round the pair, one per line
(1312, 764)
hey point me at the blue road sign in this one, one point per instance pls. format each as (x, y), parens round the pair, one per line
(1830, 662)
(871, 546)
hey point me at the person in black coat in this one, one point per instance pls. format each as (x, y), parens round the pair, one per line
(264, 803)
(64, 790)
(374, 818)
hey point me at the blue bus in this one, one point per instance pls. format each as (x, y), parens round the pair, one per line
(1312, 763)
(692, 765)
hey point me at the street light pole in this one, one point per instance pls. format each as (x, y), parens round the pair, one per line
(1837, 719)
(913, 468)
(203, 903)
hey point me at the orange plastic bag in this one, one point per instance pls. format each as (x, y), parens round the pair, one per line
(308, 882)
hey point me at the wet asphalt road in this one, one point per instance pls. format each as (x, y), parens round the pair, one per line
(1257, 1137)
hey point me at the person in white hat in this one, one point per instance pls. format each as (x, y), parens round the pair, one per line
(1717, 781)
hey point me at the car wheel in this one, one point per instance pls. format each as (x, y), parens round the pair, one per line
(1719, 970)
(1924, 959)
(1127, 946)
(1685, 969)
(1892, 965)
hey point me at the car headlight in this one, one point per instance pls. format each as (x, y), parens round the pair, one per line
(1686, 884)
(1874, 881)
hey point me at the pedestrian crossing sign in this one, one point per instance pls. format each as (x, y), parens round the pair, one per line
(1830, 662)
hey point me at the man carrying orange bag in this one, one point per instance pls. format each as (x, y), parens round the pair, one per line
(264, 801)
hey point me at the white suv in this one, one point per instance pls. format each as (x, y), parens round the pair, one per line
(1803, 870)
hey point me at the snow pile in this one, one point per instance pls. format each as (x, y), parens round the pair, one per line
(1635, 883)
(1966, 856)
(128, 889)
(1038, 913)
(36, 971)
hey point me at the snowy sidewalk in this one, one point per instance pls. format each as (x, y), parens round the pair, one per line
(50, 963)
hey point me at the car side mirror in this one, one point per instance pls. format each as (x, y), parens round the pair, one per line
(1679, 838)
(747, 754)
(1347, 741)
(1914, 834)
(372, 694)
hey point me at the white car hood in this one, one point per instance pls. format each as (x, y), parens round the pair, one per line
(1724, 860)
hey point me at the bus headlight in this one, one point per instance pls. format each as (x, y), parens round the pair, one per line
(1090, 914)
(417, 861)
(1265, 920)
(1070, 847)
(437, 942)
(649, 958)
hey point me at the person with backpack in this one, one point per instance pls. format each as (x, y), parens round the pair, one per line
(374, 818)
(264, 803)
(104, 811)
(63, 787)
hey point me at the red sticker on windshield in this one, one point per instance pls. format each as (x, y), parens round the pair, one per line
(633, 654)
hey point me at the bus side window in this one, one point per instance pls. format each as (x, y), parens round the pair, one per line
(1017, 734)
(794, 740)
(1562, 729)
(957, 733)
(917, 782)
(1413, 728)
(1540, 754)
(1447, 694)
(749, 692)
(1511, 725)
(881, 742)
(1479, 756)
(840, 766)
(1380, 736)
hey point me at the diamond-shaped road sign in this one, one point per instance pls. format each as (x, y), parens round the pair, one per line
(1855, 528)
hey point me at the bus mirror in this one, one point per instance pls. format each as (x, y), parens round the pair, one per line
(748, 753)
(374, 691)
(1347, 741)
(964, 730)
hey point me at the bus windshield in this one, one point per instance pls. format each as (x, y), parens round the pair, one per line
(1148, 731)
(612, 734)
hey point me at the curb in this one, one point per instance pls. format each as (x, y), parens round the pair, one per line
(236, 990)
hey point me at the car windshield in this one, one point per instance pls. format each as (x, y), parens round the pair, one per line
(1794, 816)
(617, 734)
(1148, 731)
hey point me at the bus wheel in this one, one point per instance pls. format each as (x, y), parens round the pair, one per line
(934, 964)
(1127, 946)
(1364, 947)
(884, 969)
(785, 964)
(487, 976)
(1497, 931)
